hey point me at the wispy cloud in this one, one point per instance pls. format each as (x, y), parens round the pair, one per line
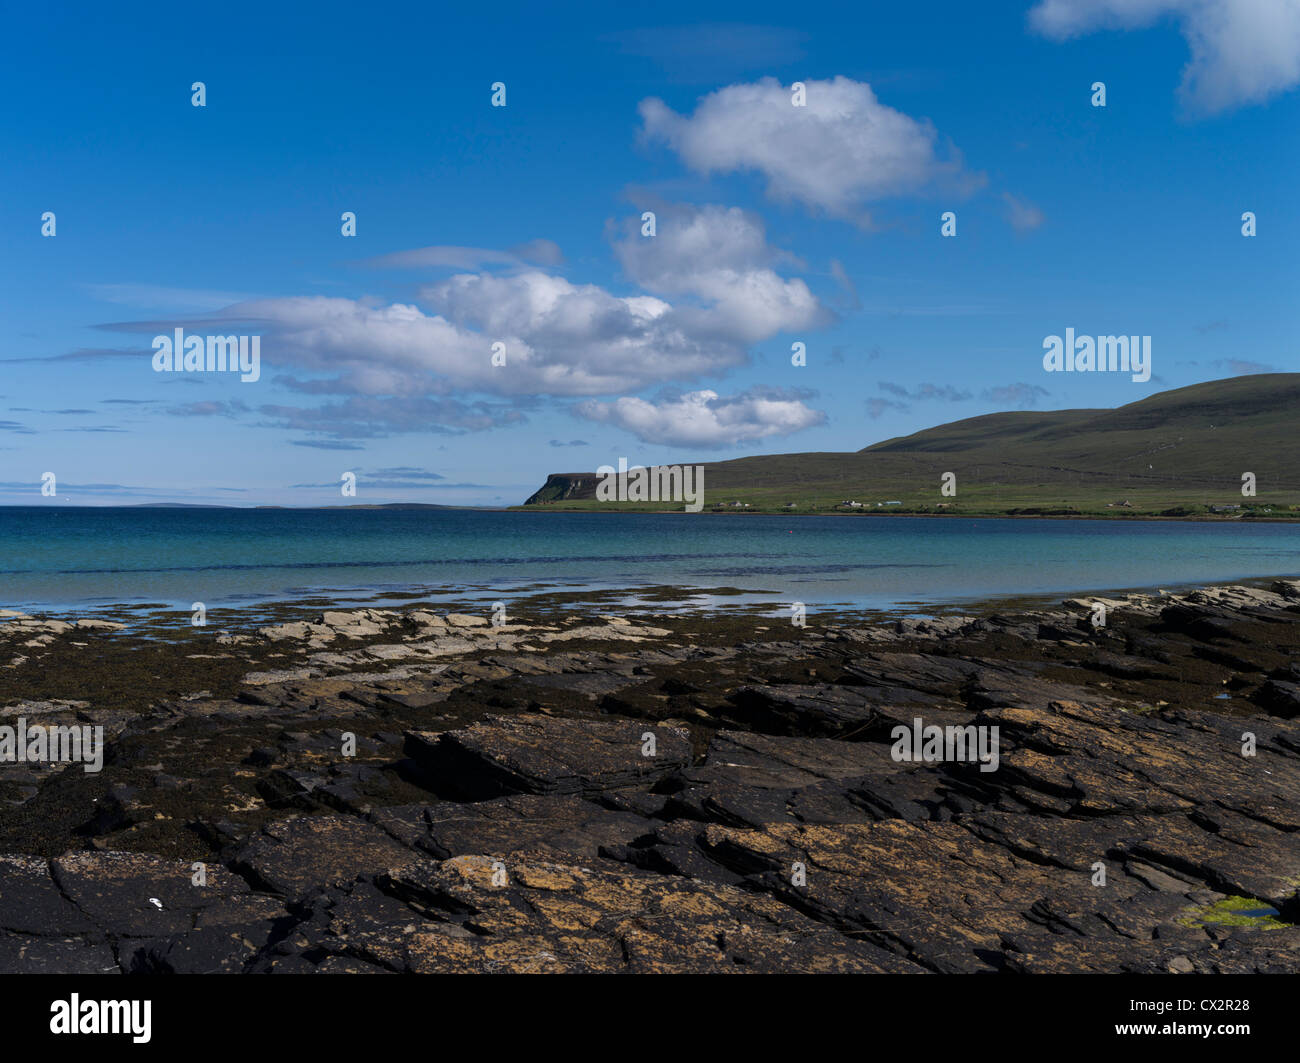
(88, 354)
(1243, 367)
(160, 297)
(1020, 395)
(925, 392)
(1022, 215)
(877, 408)
(534, 252)
(326, 444)
(364, 417)
(851, 300)
(209, 408)
(398, 477)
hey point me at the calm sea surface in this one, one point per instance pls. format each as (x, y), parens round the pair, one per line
(89, 558)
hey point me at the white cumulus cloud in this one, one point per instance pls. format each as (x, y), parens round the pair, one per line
(705, 418)
(560, 338)
(719, 257)
(841, 151)
(1243, 51)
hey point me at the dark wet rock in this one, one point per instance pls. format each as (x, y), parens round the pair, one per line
(821, 711)
(541, 755)
(1057, 632)
(31, 902)
(140, 895)
(931, 680)
(947, 913)
(591, 685)
(1289, 672)
(123, 806)
(1231, 854)
(565, 827)
(777, 761)
(205, 950)
(52, 955)
(638, 802)
(1108, 761)
(533, 915)
(1278, 953)
(676, 848)
(996, 688)
(1200, 622)
(1128, 667)
(1280, 698)
(1244, 659)
(286, 787)
(1138, 644)
(1073, 844)
(289, 856)
(1148, 782)
(749, 780)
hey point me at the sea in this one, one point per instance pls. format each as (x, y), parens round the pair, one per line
(93, 560)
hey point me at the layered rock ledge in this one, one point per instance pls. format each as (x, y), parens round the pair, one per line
(378, 791)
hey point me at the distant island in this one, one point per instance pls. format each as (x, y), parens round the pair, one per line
(1225, 449)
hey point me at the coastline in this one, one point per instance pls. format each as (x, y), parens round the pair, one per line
(612, 509)
(622, 510)
(502, 770)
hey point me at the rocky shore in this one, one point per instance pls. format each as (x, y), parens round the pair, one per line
(385, 790)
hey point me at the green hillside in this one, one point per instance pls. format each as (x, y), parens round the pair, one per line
(1178, 453)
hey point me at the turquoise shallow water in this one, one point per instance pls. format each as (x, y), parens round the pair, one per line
(86, 558)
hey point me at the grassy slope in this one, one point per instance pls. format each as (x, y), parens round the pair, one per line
(1183, 449)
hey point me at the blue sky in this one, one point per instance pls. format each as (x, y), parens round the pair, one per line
(521, 224)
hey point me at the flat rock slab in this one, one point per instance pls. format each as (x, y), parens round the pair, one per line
(564, 826)
(30, 901)
(822, 710)
(1108, 761)
(478, 914)
(948, 912)
(1274, 952)
(141, 895)
(42, 955)
(545, 755)
(996, 688)
(1236, 856)
(779, 761)
(291, 856)
(750, 780)
(204, 950)
(1076, 844)
(922, 677)
(592, 685)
